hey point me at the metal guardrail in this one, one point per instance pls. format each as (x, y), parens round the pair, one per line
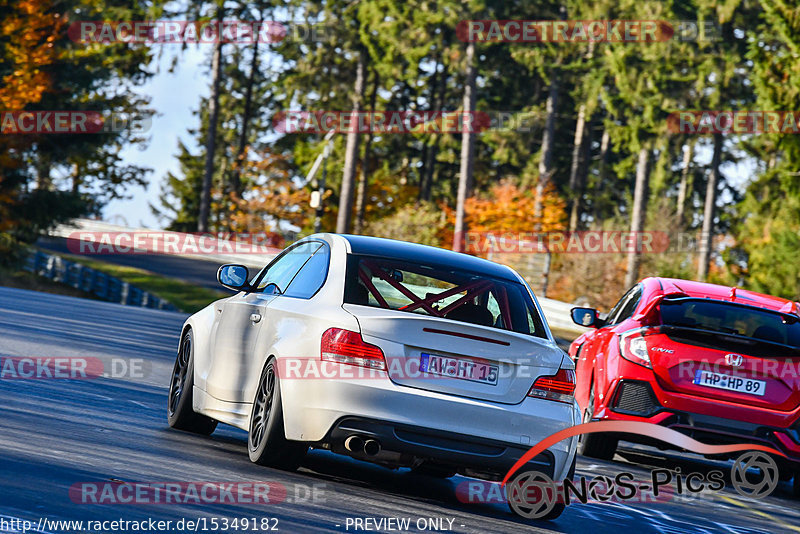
(94, 231)
(556, 312)
(558, 316)
(92, 281)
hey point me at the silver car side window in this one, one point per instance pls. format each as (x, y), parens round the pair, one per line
(311, 276)
(288, 264)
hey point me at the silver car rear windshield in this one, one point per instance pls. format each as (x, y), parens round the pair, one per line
(441, 291)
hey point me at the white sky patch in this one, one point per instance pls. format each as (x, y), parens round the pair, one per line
(174, 97)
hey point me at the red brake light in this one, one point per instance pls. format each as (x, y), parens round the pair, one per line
(344, 346)
(633, 346)
(559, 387)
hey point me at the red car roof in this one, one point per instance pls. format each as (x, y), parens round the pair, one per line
(718, 292)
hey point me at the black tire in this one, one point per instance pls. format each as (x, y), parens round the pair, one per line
(559, 508)
(266, 440)
(796, 484)
(180, 414)
(555, 513)
(530, 510)
(600, 446)
(434, 470)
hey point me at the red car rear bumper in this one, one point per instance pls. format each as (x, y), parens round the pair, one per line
(644, 400)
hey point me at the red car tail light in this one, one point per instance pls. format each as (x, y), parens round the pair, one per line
(633, 346)
(344, 346)
(559, 387)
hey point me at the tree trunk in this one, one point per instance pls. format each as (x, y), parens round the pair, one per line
(429, 154)
(433, 147)
(576, 178)
(661, 166)
(546, 170)
(467, 149)
(363, 187)
(580, 159)
(346, 195)
(430, 163)
(76, 178)
(220, 221)
(236, 182)
(546, 159)
(44, 181)
(602, 171)
(605, 149)
(707, 235)
(683, 188)
(363, 181)
(211, 136)
(426, 143)
(638, 215)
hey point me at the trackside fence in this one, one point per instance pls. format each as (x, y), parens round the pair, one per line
(92, 281)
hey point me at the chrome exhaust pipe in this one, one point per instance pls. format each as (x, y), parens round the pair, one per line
(354, 444)
(372, 447)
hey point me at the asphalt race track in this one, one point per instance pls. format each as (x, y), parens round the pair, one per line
(191, 270)
(58, 433)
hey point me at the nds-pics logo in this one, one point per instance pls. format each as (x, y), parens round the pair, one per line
(535, 495)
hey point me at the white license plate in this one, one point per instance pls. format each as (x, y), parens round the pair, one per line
(730, 383)
(459, 368)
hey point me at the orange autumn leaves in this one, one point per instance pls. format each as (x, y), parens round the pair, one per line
(270, 199)
(273, 198)
(29, 33)
(508, 208)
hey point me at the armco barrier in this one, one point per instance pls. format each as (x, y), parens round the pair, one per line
(556, 312)
(255, 260)
(558, 316)
(92, 281)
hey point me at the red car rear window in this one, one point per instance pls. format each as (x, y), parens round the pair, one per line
(728, 318)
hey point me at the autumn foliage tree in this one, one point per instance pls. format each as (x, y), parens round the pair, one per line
(272, 200)
(27, 32)
(509, 208)
(49, 178)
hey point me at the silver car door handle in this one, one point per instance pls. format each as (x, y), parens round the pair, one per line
(255, 317)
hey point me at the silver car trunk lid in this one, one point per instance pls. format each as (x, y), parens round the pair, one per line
(457, 358)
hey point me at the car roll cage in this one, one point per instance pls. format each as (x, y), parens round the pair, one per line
(473, 290)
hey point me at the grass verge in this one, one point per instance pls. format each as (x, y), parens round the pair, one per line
(186, 297)
(26, 280)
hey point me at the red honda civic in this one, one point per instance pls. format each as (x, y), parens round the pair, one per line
(720, 364)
